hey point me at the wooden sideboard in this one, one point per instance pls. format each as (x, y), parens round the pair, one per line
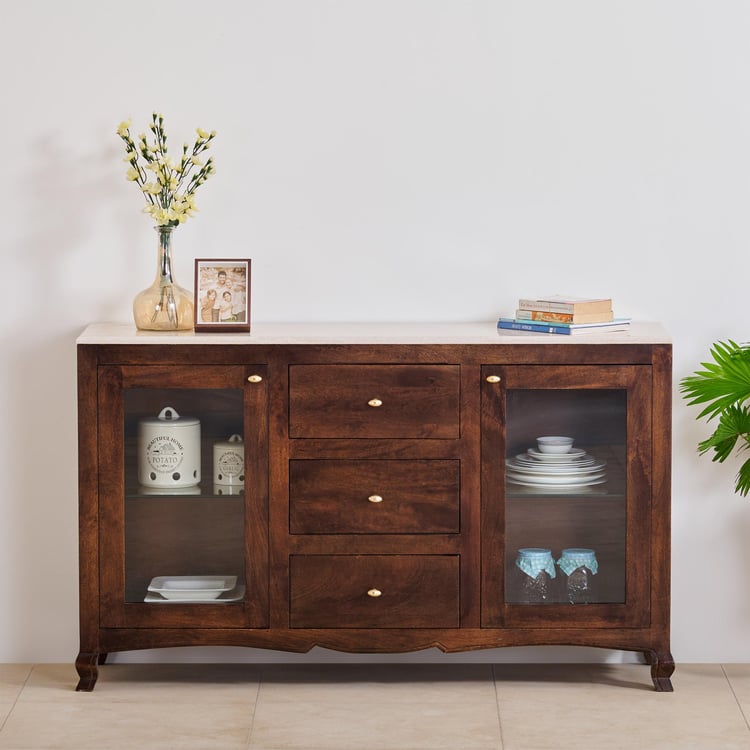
(377, 512)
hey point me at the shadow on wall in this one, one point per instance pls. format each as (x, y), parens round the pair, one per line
(739, 534)
(66, 277)
(85, 249)
(41, 500)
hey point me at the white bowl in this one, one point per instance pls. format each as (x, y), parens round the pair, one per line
(554, 444)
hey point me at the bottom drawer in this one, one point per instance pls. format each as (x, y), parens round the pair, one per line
(374, 591)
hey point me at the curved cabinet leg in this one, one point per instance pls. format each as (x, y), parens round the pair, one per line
(662, 667)
(86, 666)
(103, 658)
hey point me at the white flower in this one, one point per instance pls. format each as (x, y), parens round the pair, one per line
(169, 194)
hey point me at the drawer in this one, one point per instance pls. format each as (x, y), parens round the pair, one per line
(374, 591)
(374, 496)
(374, 401)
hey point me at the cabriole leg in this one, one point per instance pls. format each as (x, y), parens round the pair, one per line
(86, 666)
(662, 667)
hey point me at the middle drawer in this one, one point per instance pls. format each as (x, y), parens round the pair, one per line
(375, 496)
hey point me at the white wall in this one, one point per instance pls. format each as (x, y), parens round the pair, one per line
(390, 160)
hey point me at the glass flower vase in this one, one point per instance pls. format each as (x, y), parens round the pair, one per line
(165, 305)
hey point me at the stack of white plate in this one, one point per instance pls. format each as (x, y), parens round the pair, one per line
(569, 470)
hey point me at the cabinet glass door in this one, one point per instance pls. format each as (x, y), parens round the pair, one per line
(183, 485)
(573, 501)
(567, 525)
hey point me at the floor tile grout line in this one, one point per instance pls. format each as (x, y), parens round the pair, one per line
(18, 695)
(255, 708)
(731, 687)
(497, 707)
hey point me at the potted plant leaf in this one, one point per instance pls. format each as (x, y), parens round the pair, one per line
(723, 388)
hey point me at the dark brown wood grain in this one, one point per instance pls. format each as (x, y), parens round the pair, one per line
(305, 538)
(374, 496)
(373, 591)
(88, 519)
(370, 401)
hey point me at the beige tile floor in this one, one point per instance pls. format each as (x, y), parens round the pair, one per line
(374, 707)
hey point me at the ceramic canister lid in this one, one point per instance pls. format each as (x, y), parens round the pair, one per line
(169, 415)
(233, 442)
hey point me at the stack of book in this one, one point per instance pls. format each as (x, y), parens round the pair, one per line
(564, 315)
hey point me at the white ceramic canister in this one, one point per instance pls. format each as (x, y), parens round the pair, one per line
(169, 450)
(229, 462)
(228, 489)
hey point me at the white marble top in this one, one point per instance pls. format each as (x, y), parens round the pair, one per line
(370, 333)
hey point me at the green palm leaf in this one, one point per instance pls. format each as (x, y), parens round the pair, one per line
(723, 382)
(723, 386)
(734, 424)
(742, 482)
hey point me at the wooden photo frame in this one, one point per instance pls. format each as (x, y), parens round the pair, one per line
(222, 295)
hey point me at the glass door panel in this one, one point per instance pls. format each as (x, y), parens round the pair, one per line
(182, 530)
(551, 521)
(575, 500)
(183, 549)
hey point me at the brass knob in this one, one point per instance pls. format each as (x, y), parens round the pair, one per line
(493, 378)
(375, 499)
(374, 593)
(374, 402)
(254, 379)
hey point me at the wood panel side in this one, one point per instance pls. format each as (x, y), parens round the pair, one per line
(88, 501)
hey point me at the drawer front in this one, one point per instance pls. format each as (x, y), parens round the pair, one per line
(374, 591)
(374, 401)
(374, 497)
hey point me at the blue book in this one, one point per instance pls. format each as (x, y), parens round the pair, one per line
(566, 329)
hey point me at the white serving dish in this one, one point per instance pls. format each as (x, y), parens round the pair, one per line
(194, 588)
(236, 594)
(526, 460)
(596, 489)
(575, 481)
(555, 469)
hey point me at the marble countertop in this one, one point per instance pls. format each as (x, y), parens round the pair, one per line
(370, 333)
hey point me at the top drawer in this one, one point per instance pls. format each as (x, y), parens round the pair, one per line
(374, 401)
